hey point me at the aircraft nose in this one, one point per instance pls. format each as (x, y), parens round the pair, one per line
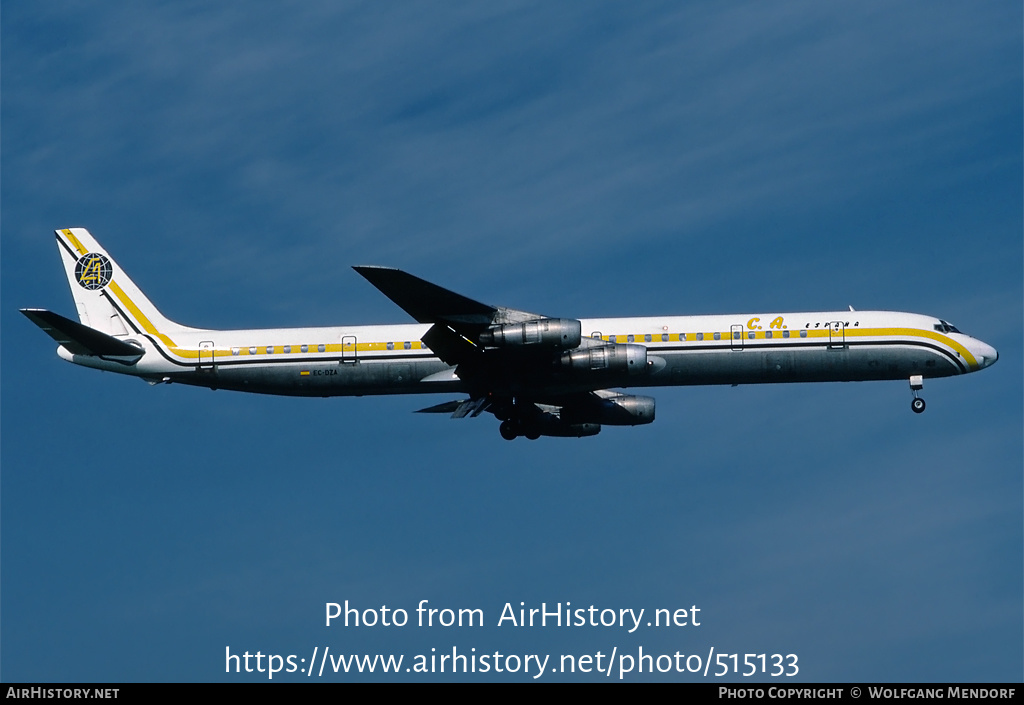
(985, 354)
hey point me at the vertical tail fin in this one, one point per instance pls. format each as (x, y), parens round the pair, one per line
(107, 299)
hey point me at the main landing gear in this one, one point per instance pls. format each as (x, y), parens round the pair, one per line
(509, 430)
(917, 383)
(517, 419)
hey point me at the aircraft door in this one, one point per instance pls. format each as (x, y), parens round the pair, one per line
(349, 350)
(737, 337)
(836, 335)
(205, 356)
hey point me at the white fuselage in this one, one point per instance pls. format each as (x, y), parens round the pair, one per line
(682, 350)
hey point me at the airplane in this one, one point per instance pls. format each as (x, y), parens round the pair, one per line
(538, 375)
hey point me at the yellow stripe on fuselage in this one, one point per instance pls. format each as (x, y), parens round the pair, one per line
(725, 337)
(889, 333)
(918, 333)
(966, 354)
(146, 324)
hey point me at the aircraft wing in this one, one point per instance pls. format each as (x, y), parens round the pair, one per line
(458, 320)
(537, 374)
(426, 302)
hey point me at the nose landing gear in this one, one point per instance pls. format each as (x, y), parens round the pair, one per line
(917, 383)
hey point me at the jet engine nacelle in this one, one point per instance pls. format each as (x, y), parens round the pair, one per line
(539, 423)
(561, 333)
(619, 410)
(606, 359)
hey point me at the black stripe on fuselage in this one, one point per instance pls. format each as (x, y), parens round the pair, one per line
(724, 346)
(288, 359)
(767, 347)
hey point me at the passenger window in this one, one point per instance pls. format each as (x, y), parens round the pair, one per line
(700, 336)
(803, 334)
(287, 348)
(234, 351)
(785, 334)
(750, 335)
(321, 347)
(252, 350)
(767, 334)
(647, 338)
(629, 338)
(664, 337)
(408, 345)
(391, 346)
(682, 337)
(304, 348)
(718, 336)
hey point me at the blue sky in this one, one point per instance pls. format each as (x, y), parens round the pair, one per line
(580, 160)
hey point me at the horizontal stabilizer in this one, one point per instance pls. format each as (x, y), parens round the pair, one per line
(80, 339)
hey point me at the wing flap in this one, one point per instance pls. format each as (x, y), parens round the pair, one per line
(452, 347)
(472, 407)
(448, 407)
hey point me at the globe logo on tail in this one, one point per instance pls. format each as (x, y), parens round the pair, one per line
(93, 271)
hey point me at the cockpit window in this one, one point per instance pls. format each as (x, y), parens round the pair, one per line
(945, 327)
